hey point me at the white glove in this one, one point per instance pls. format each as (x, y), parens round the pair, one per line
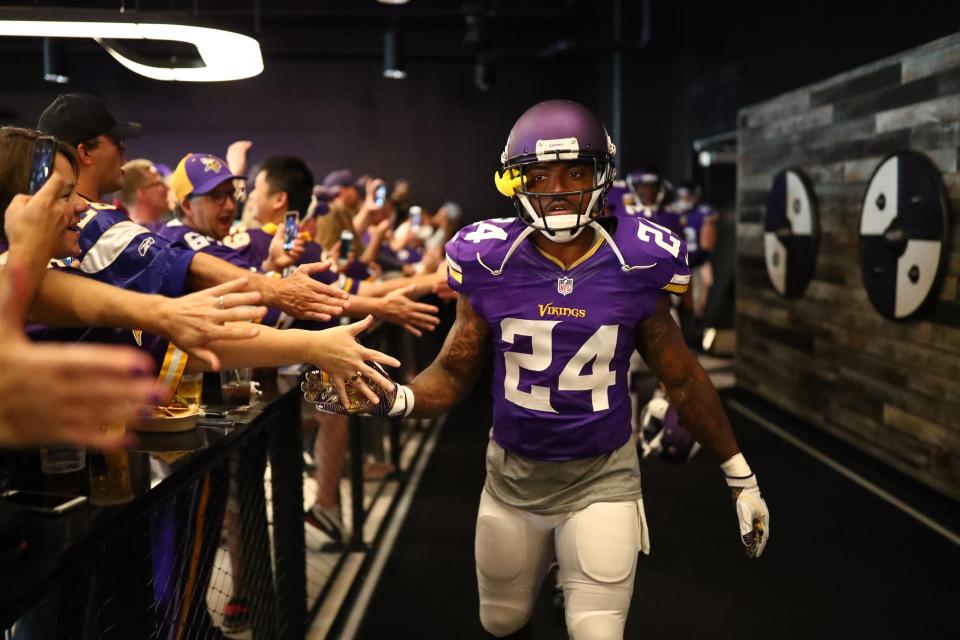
(752, 511)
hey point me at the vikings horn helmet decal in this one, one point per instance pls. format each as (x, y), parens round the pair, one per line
(552, 131)
(903, 226)
(790, 233)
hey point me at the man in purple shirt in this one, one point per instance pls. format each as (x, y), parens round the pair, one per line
(563, 300)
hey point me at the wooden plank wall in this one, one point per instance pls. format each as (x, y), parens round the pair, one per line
(890, 388)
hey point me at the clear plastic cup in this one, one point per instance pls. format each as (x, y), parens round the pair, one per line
(62, 459)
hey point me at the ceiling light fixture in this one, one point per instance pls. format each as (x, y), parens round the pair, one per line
(54, 63)
(226, 55)
(393, 56)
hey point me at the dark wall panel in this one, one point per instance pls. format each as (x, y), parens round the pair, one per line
(433, 128)
(891, 388)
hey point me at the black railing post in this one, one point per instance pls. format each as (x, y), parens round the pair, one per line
(355, 426)
(286, 473)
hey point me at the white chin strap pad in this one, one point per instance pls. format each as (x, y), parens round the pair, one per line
(561, 229)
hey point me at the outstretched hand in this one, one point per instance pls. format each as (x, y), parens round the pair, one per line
(413, 316)
(345, 360)
(302, 297)
(64, 394)
(223, 312)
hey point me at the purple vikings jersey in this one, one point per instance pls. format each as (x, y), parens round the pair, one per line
(563, 337)
(254, 245)
(622, 202)
(689, 226)
(179, 234)
(118, 251)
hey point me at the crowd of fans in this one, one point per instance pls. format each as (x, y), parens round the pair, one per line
(120, 276)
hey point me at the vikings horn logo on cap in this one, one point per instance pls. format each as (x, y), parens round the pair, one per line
(198, 174)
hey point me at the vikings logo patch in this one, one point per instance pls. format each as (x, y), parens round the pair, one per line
(564, 285)
(211, 164)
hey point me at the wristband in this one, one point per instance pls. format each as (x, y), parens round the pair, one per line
(402, 403)
(736, 467)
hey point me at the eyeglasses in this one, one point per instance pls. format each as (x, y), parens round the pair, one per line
(117, 141)
(220, 197)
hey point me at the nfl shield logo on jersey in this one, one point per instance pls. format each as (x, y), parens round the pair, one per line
(564, 285)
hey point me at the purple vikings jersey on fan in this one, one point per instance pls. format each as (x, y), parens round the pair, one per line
(563, 337)
(118, 251)
(181, 235)
(254, 246)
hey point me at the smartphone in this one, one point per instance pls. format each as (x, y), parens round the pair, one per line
(291, 229)
(346, 244)
(416, 216)
(380, 195)
(49, 503)
(44, 150)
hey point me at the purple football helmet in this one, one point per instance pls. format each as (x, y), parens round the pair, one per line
(557, 131)
(651, 178)
(685, 196)
(662, 434)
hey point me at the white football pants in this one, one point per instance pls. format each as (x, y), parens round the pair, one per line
(595, 548)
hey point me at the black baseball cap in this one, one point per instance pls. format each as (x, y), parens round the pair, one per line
(76, 117)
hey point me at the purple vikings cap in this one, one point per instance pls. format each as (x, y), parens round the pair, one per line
(200, 173)
(339, 178)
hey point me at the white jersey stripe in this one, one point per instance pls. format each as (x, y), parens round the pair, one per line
(110, 245)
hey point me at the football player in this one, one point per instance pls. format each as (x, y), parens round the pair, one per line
(696, 223)
(562, 299)
(693, 221)
(641, 193)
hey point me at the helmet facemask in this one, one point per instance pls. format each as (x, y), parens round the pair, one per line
(550, 132)
(564, 227)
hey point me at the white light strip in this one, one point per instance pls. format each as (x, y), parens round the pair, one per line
(227, 55)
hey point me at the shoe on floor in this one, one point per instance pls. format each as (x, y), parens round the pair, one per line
(328, 521)
(236, 616)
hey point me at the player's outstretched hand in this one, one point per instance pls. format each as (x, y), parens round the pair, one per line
(318, 388)
(304, 298)
(222, 312)
(752, 514)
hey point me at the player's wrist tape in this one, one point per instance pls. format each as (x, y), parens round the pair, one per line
(402, 403)
(737, 472)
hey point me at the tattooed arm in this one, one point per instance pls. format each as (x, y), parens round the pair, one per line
(448, 379)
(661, 344)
